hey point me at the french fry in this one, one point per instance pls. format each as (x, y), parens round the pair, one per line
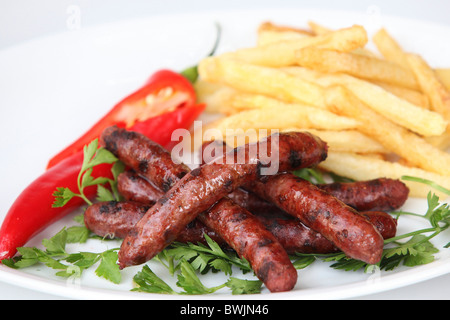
(216, 96)
(399, 111)
(270, 26)
(389, 48)
(282, 53)
(362, 167)
(444, 75)
(442, 142)
(346, 141)
(283, 116)
(266, 37)
(380, 116)
(269, 32)
(431, 85)
(337, 140)
(395, 138)
(318, 29)
(357, 65)
(261, 80)
(413, 96)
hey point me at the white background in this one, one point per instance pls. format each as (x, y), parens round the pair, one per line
(22, 20)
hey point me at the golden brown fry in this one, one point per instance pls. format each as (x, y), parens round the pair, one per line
(399, 111)
(318, 29)
(442, 142)
(337, 140)
(393, 137)
(444, 75)
(261, 80)
(356, 102)
(357, 65)
(413, 96)
(282, 53)
(362, 167)
(216, 96)
(431, 85)
(281, 115)
(346, 141)
(267, 37)
(389, 48)
(270, 26)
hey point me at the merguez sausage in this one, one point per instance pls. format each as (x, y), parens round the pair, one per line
(135, 188)
(252, 241)
(320, 211)
(382, 194)
(147, 158)
(377, 194)
(342, 225)
(225, 180)
(201, 188)
(115, 219)
(278, 221)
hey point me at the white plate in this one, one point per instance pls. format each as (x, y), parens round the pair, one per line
(52, 89)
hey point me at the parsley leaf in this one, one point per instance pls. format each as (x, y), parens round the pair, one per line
(243, 286)
(108, 268)
(92, 156)
(301, 261)
(203, 257)
(189, 281)
(147, 281)
(62, 196)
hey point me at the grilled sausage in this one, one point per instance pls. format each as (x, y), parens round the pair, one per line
(381, 194)
(385, 223)
(147, 158)
(377, 194)
(339, 223)
(115, 219)
(317, 209)
(201, 188)
(160, 225)
(253, 242)
(135, 188)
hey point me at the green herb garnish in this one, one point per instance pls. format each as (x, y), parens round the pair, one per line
(92, 157)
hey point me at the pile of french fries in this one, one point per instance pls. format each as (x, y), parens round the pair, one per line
(383, 113)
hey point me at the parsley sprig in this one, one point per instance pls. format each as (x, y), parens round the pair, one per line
(93, 156)
(68, 264)
(187, 261)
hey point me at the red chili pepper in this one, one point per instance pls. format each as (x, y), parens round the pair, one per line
(172, 107)
(164, 103)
